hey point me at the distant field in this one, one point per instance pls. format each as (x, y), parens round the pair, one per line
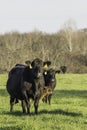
(68, 109)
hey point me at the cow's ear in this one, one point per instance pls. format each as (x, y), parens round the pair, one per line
(28, 63)
(47, 64)
(57, 71)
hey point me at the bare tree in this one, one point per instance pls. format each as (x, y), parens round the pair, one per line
(68, 28)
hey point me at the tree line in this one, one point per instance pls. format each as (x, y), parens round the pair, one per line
(66, 47)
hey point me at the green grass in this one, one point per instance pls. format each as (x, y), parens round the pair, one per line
(68, 109)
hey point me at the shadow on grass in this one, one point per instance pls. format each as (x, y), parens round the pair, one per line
(3, 92)
(60, 112)
(54, 112)
(70, 93)
(10, 128)
(14, 113)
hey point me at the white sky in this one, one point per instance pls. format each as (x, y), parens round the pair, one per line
(44, 15)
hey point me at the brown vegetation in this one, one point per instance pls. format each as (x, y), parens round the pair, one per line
(17, 48)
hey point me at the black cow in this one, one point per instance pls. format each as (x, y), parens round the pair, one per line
(19, 67)
(63, 69)
(27, 63)
(25, 83)
(16, 70)
(50, 83)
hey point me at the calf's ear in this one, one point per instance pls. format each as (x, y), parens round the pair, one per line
(47, 64)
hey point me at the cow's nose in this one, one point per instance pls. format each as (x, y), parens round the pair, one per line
(52, 80)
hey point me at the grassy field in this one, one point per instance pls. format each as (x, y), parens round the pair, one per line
(68, 109)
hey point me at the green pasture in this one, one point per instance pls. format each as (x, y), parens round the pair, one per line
(68, 109)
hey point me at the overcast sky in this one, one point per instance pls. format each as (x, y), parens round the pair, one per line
(44, 15)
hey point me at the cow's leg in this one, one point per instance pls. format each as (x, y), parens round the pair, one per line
(28, 106)
(11, 103)
(16, 101)
(36, 106)
(26, 100)
(23, 104)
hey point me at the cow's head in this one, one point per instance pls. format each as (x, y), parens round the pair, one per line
(38, 67)
(49, 75)
(63, 69)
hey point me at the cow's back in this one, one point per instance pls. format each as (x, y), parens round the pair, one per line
(14, 82)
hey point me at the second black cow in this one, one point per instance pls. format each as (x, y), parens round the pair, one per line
(50, 83)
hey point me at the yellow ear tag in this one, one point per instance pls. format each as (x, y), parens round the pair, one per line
(30, 66)
(46, 66)
(45, 72)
